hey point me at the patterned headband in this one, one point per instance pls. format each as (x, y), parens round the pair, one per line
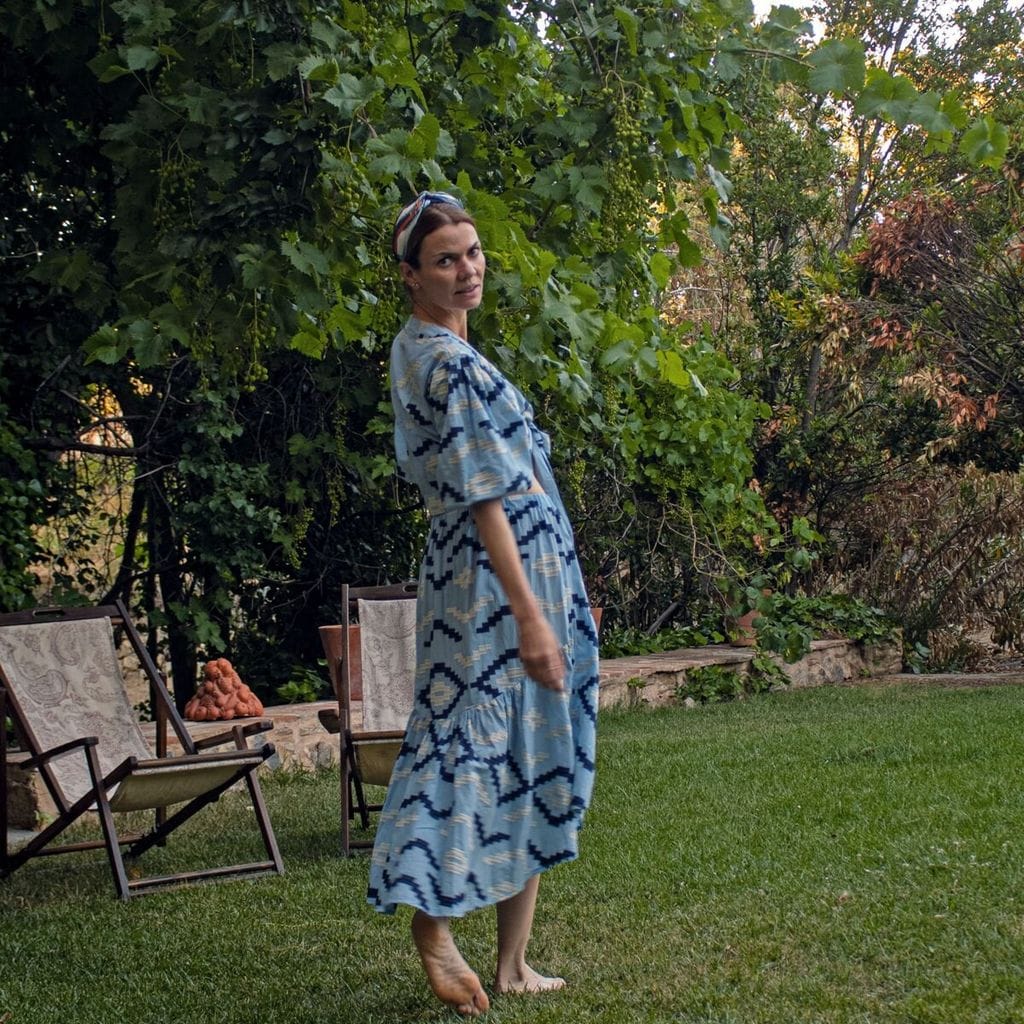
(410, 217)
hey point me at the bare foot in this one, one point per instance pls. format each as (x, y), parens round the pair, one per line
(451, 978)
(527, 981)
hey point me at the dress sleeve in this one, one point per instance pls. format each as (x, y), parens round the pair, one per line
(485, 443)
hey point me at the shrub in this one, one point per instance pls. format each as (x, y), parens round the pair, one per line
(303, 687)
(942, 548)
(624, 641)
(787, 624)
(709, 684)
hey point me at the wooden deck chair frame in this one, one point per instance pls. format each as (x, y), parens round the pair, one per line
(366, 757)
(204, 776)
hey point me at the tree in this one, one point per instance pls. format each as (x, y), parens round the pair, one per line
(208, 189)
(810, 173)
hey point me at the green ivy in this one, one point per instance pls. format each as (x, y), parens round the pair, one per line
(712, 684)
(787, 624)
(303, 687)
(626, 641)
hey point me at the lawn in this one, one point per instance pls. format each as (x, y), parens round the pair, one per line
(836, 855)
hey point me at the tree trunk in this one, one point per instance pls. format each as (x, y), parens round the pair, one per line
(811, 392)
(168, 562)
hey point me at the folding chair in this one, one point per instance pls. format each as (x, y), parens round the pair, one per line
(61, 683)
(371, 663)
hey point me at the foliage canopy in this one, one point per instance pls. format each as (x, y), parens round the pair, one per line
(197, 286)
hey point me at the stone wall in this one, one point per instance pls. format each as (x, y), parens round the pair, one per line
(29, 805)
(654, 679)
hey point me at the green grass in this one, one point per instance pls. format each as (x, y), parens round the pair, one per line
(838, 855)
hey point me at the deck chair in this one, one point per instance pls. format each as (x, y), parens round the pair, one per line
(371, 663)
(62, 685)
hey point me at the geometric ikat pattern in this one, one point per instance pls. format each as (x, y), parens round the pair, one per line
(495, 772)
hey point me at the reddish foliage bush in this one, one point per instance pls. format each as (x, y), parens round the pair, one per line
(940, 549)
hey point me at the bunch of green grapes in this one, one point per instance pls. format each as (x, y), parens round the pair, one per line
(373, 32)
(387, 315)
(300, 524)
(575, 476)
(166, 79)
(626, 206)
(511, 325)
(338, 492)
(200, 342)
(259, 337)
(389, 309)
(349, 194)
(175, 189)
(610, 395)
(629, 139)
(441, 62)
(349, 187)
(624, 136)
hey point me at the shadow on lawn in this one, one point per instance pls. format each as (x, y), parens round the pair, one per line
(304, 811)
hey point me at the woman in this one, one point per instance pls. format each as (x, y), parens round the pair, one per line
(497, 765)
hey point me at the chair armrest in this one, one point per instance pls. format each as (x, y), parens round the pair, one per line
(59, 751)
(379, 734)
(234, 734)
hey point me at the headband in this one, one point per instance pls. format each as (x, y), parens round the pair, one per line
(410, 217)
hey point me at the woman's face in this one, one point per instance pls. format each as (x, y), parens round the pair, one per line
(451, 271)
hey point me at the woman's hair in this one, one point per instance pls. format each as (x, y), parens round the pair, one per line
(433, 217)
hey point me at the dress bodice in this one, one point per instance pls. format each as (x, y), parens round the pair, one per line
(463, 432)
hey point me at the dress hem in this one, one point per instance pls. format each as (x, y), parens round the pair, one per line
(389, 909)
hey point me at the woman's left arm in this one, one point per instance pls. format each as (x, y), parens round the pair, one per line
(539, 649)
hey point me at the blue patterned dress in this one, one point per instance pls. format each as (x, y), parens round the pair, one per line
(495, 772)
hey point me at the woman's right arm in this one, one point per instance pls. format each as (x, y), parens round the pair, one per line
(539, 649)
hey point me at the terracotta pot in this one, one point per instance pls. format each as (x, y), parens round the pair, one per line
(743, 632)
(331, 638)
(743, 629)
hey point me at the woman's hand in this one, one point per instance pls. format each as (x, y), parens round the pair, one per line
(539, 649)
(541, 654)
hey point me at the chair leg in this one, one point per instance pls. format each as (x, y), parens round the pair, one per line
(109, 829)
(360, 797)
(353, 798)
(357, 784)
(347, 767)
(160, 814)
(259, 806)
(346, 794)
